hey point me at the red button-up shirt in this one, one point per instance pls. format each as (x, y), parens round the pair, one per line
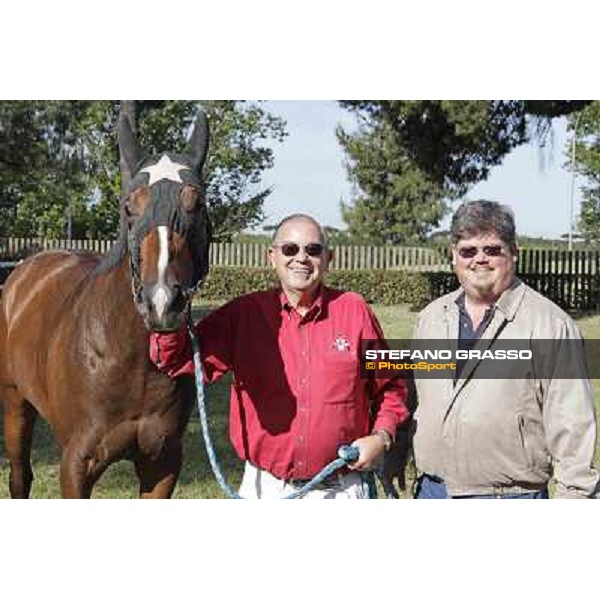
(297, 393)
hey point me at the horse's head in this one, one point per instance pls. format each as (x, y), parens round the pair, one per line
(168, 229)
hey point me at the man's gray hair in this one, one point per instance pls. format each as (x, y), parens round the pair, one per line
(301, 217)
(483, 216)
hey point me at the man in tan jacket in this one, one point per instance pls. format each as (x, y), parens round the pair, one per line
(502, 437)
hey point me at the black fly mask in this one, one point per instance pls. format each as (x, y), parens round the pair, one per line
(165, 177)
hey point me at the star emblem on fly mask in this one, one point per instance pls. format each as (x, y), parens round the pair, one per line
(165, 168)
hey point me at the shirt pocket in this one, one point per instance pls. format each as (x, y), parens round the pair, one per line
(340, 377)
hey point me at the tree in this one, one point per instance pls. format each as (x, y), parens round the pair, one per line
(585, 126)
(62, 158)
(39, 163)
(410, 159)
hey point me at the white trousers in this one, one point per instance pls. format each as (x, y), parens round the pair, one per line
(260, 484)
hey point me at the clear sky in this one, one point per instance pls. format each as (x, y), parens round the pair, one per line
(309, 175)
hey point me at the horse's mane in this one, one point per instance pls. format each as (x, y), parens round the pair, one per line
(116, 254)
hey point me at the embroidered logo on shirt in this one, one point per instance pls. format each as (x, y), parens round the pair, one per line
(341, 344)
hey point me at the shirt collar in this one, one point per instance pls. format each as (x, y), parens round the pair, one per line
(460, 302)
(315, 309)
(507, 303)
(511, 298)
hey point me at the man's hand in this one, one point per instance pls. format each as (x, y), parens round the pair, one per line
(371, 448)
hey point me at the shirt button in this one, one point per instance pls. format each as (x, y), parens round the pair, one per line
(301, 438)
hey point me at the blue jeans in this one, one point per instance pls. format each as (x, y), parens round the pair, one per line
(429, 488)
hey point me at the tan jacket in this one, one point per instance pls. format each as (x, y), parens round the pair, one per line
(490, 436)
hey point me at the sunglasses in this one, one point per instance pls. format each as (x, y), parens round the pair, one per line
(291, 249)
(471, 251)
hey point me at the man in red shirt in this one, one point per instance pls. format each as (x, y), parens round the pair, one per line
(297, 393)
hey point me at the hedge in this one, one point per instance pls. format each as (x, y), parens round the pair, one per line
(377, 286)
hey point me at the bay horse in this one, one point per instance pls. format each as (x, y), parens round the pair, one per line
(74, 331)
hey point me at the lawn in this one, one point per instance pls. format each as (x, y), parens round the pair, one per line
(197, 480)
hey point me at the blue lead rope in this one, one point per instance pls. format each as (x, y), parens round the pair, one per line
(346, 454)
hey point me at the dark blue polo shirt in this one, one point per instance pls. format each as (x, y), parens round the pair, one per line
(466, 334)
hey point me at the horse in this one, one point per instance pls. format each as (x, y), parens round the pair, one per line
(75, 327)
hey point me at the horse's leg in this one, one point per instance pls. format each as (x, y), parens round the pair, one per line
(158, 476)
(79, 468)
(19, 422)
(89, 453)
(73, 473)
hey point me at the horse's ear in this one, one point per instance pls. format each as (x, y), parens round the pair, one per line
(128, 144)
(198, 144)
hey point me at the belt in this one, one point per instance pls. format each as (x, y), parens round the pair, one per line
(331, 481)
(501, 492)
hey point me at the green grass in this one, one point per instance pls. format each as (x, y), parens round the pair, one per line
(197, 480)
